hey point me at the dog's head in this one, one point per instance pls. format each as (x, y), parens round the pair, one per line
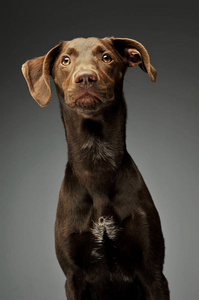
(88, 73)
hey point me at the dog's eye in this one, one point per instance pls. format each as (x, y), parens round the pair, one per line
(106, 58)
(66, 61)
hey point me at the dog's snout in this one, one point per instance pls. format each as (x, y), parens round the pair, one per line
(85, 78)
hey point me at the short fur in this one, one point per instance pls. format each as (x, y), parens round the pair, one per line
(108, 235)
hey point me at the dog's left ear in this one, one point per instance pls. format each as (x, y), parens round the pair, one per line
(37, 71)
(134, 53)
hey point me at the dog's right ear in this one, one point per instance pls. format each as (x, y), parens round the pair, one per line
(37, 71)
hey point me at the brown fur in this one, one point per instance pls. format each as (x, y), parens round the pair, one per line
(108, 235)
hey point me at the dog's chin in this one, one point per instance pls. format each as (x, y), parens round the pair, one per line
(88, 102)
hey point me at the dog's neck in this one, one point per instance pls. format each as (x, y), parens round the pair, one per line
(96, 143)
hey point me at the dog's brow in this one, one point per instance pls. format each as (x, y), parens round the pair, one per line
(98, 49)
(72, 50)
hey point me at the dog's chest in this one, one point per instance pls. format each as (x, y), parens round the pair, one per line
(105, 243)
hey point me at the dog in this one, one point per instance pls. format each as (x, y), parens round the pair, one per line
(108, 235)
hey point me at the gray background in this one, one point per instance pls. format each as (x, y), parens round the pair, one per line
(162, 135)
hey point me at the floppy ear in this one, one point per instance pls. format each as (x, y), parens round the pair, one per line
(134, 54)
(36, 72)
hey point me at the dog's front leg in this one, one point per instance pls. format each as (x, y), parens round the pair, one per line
(155, 288)
(76, 287)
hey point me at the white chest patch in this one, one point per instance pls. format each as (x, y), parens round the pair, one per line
(105, 225)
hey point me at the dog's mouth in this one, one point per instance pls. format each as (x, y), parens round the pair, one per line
(86, 101)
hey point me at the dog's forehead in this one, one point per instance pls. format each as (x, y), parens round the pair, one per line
(85, 45)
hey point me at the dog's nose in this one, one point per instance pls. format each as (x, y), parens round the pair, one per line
(85, 78)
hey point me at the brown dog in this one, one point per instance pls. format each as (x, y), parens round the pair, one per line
(108, 235)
